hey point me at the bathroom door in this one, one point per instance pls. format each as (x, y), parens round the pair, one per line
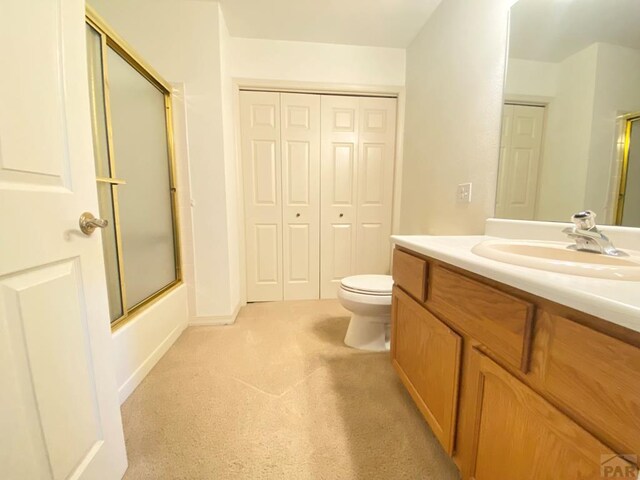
(520, 152)
(59, 414)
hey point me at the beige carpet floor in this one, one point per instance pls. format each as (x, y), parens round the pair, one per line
(277, 396)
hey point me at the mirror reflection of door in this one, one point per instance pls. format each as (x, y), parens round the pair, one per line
(520, 152)
(629, 206)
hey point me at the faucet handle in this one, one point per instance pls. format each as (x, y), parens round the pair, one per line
(585, 220)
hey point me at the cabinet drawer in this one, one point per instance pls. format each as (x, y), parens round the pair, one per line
(410, 273)
(501, 322)
(593, 376)
(426, 355)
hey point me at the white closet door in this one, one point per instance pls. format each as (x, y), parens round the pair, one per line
(300, 120)
(376, 148)
(339, 169)
(260, 126)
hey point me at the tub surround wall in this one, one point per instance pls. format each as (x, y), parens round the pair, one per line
(140, 343)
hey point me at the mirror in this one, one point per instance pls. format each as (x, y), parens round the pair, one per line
(571, 116)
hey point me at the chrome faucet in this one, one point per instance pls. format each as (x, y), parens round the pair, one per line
(588, 237)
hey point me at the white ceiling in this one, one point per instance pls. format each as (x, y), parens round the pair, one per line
(380, 23)
(551, 30)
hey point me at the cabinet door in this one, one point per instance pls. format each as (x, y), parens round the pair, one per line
(519, 435)
(426, 354)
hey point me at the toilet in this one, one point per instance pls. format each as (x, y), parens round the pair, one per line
(368, 298)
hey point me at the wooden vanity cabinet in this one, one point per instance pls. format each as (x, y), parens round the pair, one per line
(426, 355)
(514, 386)
(519, 435)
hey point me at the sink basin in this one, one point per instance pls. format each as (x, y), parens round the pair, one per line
(556, 257)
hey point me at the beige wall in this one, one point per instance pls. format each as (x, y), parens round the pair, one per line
(563, 172)
(317, 62)
(454, 84)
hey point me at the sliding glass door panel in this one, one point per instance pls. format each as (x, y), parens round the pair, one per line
(103, 170)
(140, 147)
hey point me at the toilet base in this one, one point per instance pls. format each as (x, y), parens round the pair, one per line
(368, 332)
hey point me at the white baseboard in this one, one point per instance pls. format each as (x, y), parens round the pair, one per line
(215, 320)
(145, 367)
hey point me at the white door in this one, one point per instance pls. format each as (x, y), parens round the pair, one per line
(262, 169)
(376, 154)
(59, 415)
(338, 197)
(357, 165)
(300, 134)
(521, 147)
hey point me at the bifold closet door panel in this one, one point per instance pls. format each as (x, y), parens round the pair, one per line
(376, 154)
(262, 171)
(338, 198)
(300, 134)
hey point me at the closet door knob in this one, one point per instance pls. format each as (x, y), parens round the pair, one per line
(341, 215)
(297, 215)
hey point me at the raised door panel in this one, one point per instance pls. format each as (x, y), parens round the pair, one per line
(267, 255)
(376, 148)
(339, 184)
(426, 355)
(300, 136)
(262, 166)
(265, 173)
(520, 435)
(44, 320)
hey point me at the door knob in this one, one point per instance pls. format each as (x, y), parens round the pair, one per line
(341, 215)
(297, 215)
(88, 223)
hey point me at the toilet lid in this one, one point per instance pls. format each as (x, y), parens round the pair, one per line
(370, 284)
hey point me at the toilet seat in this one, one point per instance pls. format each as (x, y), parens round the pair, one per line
(369, 285)
(364, 298)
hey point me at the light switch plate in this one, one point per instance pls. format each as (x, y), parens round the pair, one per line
(463, 193)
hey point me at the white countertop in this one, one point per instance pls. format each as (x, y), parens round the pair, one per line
(613, 300)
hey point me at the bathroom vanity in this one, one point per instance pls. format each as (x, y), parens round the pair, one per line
(520, 373)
